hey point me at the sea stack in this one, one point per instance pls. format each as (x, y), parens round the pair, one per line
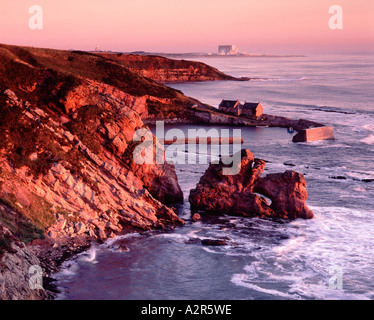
(247, 193)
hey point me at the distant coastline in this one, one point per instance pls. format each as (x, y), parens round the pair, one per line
(206, 55)
(239, 55)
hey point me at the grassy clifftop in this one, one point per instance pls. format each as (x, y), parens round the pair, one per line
(47, 75)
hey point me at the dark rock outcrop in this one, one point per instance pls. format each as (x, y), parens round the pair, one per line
(288, 194)
(214, 242)
(243, 194)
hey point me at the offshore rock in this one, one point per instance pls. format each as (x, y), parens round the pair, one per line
(243, 194)
(214, 242)
(288, 194)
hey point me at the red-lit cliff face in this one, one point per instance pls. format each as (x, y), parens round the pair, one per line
(165, 70)
(57, 79)
(79, 166)
(67, 122)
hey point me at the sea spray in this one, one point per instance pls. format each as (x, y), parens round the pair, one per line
(89, 255)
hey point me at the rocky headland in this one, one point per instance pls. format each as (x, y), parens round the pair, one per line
(67, 173)
(166, 70)
(73, 180)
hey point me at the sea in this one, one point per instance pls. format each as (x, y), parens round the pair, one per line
(329, 257)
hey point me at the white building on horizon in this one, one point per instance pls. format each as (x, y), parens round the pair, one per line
(227, 50)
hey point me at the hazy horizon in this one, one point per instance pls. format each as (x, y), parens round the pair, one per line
(290, 26)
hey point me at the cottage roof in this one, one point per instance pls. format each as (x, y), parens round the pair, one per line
(250, 105)
(228, 103)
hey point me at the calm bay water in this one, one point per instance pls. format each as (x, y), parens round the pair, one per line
(329, 257)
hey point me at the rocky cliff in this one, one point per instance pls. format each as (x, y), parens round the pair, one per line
(74, 175)
(64, 80)
(67, 171)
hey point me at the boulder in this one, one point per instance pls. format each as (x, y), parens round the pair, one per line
(214, 242)
(80, 228)
(195, 217)
(160, 180)
(245, 194)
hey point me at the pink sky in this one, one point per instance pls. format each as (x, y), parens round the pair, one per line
(190, 25)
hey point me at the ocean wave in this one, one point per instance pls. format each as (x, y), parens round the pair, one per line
(110, 242)
(89, 255)
(328, 144)
(241, 279)
(340, 174)
(290, 107)
(368, 140)
(69, 269)
(336, 212)
(278, 79)
(292, 280)
(369, 127)
(300, 267)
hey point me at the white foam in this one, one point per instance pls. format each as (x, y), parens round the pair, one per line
(290, 245)
(241, 279)
(193, 233)
(278, 79)
(335, 212)
(210, 250)
(321, 291)
(309, 283)
(111, 241)
(298, 268)
(89, 255)
(337, 145)
(368, 140)
(369, 127)
(175, 236)
(68, 270)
